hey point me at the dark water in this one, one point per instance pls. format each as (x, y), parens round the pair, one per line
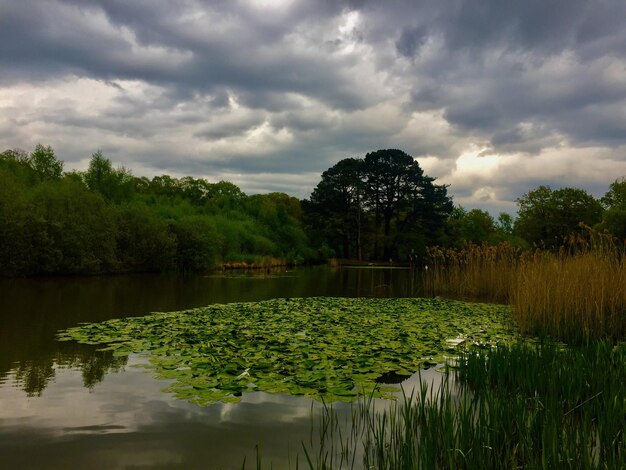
(64, 405)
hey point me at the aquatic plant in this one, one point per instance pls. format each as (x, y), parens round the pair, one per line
(577, 297)
(515, 406)
(474, 271)
(576, 294)
(320, 347)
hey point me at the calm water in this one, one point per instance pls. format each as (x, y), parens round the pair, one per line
(64, 405)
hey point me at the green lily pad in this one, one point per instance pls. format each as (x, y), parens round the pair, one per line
(330, 348)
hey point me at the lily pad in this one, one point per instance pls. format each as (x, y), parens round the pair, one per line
(325, 347)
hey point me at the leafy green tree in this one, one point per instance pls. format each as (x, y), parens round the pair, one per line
(164, 185)
(106, 220)
(616, 195)
(477, 226)
(45, 163)
(224, 196)
(404, 202)
(546, 217)
(14, 155)
(505, 223)
(197, 243)
(384, 202)
(280, 219)
(15, 224)
(115, 185)
(614, 217)
(196, 190)
(336, 206)
(75, 230)
(144, 241)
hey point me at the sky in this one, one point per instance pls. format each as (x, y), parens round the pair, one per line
(492, 97)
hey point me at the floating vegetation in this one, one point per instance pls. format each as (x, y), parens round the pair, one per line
(325, 347)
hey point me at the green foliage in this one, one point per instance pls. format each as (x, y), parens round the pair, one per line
(614, 221)
(475, 226)
(478, 227)
(614, 218)
(197, 243)
(73, 230)
(505, 223)
(514, 406)
(547, 217)
(44, 163)
(15, 223)
(115, 185)
(144, 241)
(382, 206)
(331, 348)
(106, 220)
(336, 207)
(616, 195)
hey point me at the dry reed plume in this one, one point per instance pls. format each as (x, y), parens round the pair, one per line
(576, 294)
(473, 272)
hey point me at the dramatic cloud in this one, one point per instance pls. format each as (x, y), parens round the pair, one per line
(493, 98)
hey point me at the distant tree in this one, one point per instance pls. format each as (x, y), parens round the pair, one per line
(115, 185)
(73, 229)
(197, 243)
(477, 226)
(614, 217)
(45, 163)
(546, 217)
(195, 190)
(164, 185)
(144, 241)
(616, 195)
(16, 155)
(404, 202)
(383, 201)
(336, 206)
(15, 223)
(505, 223)
(141, 184)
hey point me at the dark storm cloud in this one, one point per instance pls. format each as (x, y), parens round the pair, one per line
(510, 77)
(44, 39)
(411, 40)
(508, 63)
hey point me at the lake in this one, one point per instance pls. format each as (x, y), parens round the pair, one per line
(66, 405)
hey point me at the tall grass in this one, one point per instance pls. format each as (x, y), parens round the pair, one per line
(474, 272)
(576, 294)
(518, 406)
(576, 297)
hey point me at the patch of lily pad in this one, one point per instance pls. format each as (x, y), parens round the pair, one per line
(326, 348)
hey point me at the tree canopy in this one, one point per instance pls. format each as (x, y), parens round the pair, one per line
(614, 201)
(546, 217)
(107, 220)
(380, 206)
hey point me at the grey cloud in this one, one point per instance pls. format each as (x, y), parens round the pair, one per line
(43, 40)
(411, 40)
(230, 129)
(482, 115)
(521, 76)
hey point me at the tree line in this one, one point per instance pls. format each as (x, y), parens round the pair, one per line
(383, 206)
(379, 207)
(106, 220)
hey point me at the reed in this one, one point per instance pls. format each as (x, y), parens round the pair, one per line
(577, 294)
(517, 406)
(576, 297)
(473, 272)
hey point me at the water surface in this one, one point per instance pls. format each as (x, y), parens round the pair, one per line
(65, 405)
